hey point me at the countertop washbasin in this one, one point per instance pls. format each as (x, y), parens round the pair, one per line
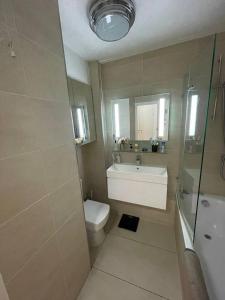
(138, 173)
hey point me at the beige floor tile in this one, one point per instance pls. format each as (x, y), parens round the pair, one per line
(101, 286)
(154, 234)
(148, 267)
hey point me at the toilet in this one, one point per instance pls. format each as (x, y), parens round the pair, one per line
(96, 216)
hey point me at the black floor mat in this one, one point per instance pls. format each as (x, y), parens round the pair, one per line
(129, 222)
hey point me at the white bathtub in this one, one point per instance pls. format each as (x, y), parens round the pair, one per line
(211, 223)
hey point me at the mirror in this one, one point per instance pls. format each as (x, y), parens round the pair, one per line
(141, 118)
(81, 102)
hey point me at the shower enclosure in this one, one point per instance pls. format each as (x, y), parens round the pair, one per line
(201, 188)
(197, 89)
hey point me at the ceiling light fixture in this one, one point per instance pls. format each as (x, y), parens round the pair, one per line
(111, 20)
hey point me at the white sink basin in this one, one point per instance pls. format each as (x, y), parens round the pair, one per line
(138, 173)
(143, 185)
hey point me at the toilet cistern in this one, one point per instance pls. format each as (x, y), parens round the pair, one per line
(96, 217)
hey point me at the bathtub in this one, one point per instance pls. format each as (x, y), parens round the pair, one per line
(209, 243)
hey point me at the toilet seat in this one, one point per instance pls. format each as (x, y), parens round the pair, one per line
(96, 214)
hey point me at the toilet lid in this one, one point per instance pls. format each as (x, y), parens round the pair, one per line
(95, 212)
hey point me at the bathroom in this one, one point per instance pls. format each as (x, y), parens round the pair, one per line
(112, 153)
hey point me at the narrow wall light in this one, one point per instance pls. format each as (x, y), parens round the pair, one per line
(117, 120)
(193, 115)
(80, 119)
(162, 102)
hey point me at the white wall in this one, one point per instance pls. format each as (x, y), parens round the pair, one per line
(77, 68)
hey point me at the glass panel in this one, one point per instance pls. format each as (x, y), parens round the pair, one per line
(195, 109)
(209, 238)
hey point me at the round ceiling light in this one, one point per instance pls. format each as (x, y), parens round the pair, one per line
(111, 20)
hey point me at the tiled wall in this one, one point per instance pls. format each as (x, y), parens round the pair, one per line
(211, 182)
(94, 153)
(163, 70)
(43, 245)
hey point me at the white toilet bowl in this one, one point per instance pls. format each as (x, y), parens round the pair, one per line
(96, 216)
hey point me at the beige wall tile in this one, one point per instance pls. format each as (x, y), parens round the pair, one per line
(21, 184)
(164, 66)
(29, 124)
(53, 123)
(45, 72)
(22, 236)
(74, 251)
(122, 73)
(7, 13)
(146, 213)
(39, 21)
(39, 183)
(120, 93)
(59, 166)
(65, 201)
(41, 278)
(18, 132)
(12, 79)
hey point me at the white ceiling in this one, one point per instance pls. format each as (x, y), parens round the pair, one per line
(158, 23)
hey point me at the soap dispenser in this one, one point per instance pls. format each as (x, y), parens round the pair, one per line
(163, 147)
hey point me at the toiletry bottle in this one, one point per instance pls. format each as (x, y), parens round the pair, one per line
(163, 147)
(136, 147)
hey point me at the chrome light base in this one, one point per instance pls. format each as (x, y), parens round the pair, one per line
(111, 20)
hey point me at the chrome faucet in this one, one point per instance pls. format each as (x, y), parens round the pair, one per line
(116, 158)
(138, 160)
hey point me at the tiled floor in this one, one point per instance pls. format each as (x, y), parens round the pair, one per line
(135, 266)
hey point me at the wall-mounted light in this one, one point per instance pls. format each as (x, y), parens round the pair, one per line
(193, 115)
(80, 119)
(162, 103)
(117, 120)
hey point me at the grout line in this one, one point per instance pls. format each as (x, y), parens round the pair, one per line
(58, 56)
(124, 280)
(30, 39)
(143, 243)
(34, 203)
(40, 150)
(35, 253)
(35, 97)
